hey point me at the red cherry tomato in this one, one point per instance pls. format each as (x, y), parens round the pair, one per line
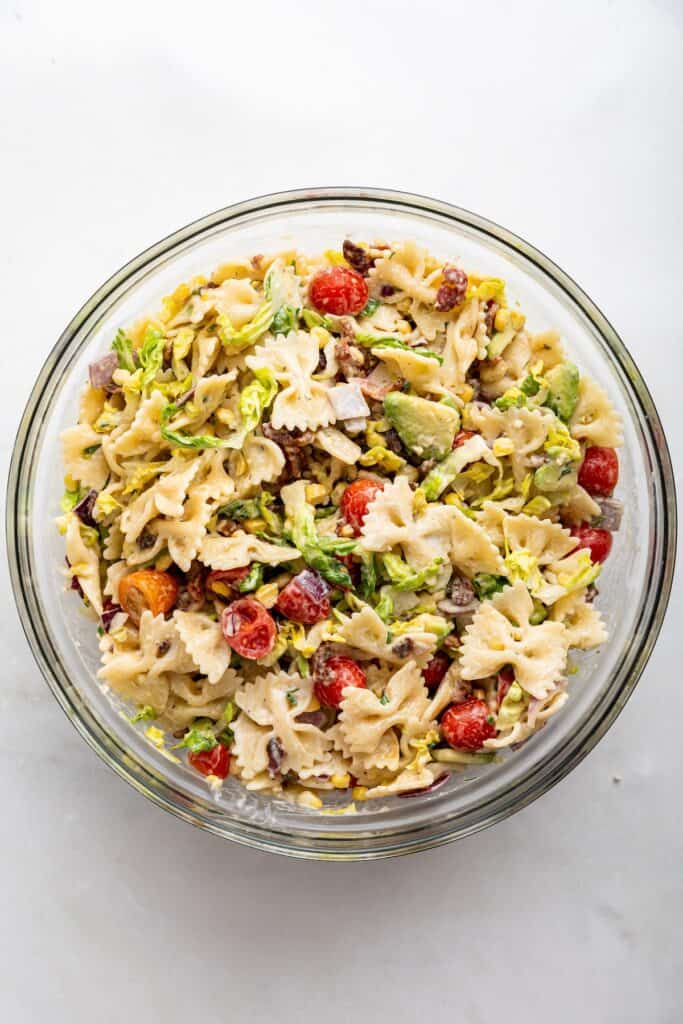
(435, 669)
(355, 501)
(305, 599)
(463, 436)
(599, 471)
(248, 628)
(222, 582)
(598, 542)
(211, 762)
(467, 725)
(338, 290)
(336, 674)
(506, 678)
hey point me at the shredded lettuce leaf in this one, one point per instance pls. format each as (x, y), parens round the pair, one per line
(486, 584)
(387, 341)
(181, 439)
(123, 346)
(405, 578)
(300, 526)
(253, 579)
(285, 320)
(200, 736)
(71, 497)
(151, 357)
(512, 708)
(369, 308)
(586, 574)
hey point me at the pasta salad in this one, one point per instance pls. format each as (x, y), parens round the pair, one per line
(341, 519)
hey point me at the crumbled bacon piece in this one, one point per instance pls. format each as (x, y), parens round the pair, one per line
(357, 257)
(452, 292)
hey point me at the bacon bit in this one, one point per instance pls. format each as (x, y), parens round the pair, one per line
(452, 292)
(357, 257)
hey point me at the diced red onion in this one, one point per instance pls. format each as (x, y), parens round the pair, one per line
(85, 507)
(109, 612)
(275, 755)
(534, 708)
(102, 370)
(611, 512)
(74, 584)
(316, 718)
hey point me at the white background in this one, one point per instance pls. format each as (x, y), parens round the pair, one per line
(121, 122)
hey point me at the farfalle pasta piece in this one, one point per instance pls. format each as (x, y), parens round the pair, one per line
(465, 341)
(368, 724)
(595, 419)
(546, 541)
(142, 436)
(546, 348)
(302, 402)
(422, 372)
(272, 704)
(204, 642)
(80, 462)
(242, 549)
(191, 696)
(84, 563)
(500, 634)
(409, 269)
(581, 619)
(260, 461)
(159, 650)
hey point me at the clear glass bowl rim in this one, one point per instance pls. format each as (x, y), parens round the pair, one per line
(339, 846)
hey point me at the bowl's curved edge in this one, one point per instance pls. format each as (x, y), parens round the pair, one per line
(334, 850)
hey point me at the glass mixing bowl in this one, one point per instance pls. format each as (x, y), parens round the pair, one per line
(634, 588)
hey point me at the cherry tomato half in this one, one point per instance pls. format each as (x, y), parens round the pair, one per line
(338, 290)
(211, 762)
(337, 673)
(248, 628)
(467, 725)
(305, 599)
(598, 542)
(599, 471)
(506, 678)
(355, 501)
(147, 589)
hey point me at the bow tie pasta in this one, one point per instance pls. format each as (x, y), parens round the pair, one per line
(341, 519)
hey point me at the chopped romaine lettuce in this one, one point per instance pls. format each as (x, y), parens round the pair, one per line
(285, 320)
(405, 578)
(486, 584)
(512, 707)
(151, 356)
(300, 527)
(200, 736)
(369, 308)
(123, 346)
(253, 579)
(181, 439)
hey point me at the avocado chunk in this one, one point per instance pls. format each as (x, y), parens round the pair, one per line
(563, 390)
(425, 428)
(555, 476)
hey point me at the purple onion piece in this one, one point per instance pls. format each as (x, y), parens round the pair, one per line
(108, 613)
(460, 596)
(611, 512)
(102, 370)
(313, 584)
(275, 755)
(85, 507)
(438, 781)
(185, 398)
(74, 584)
(316, 718)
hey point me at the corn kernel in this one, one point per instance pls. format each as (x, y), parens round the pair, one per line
(502, 319)
(341, 781)
(267, 594)
(403, 327)
(315, 493)
(359, 793)
(517, 319)
(163, 562)
(503, 446)
(226, 417)
(467, 393)
(310, 800)
(155, 735)
(221, 588)
(451, 499)
(257, 525)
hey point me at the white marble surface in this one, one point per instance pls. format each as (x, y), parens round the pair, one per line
(121, 122)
